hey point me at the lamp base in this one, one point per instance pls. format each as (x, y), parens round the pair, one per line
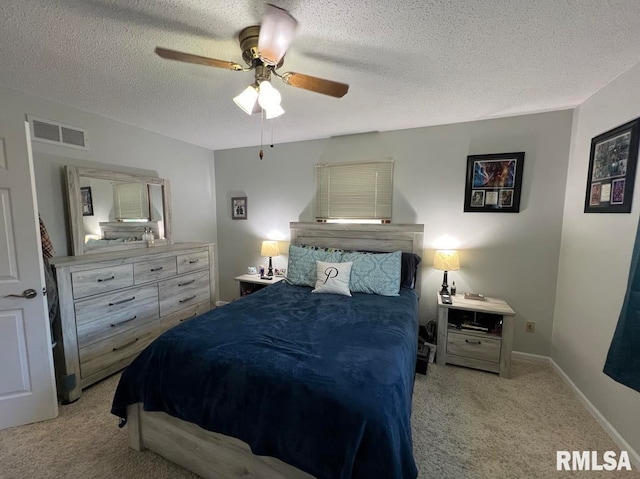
(445, 286)
(270, 271)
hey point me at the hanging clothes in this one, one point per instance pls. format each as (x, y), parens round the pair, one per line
(50, 282)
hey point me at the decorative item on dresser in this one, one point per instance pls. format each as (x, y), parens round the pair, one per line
(476, 334)
(114, 304)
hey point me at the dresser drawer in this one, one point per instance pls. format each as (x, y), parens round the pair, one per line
(101, 280)
(193, 262)
(109, 314)
(183, 291)
(473, 346)
(103, 354)
(155, 269)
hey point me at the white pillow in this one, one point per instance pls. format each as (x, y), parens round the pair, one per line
(333, 278)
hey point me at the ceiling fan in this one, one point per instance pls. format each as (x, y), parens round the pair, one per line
(263, 49)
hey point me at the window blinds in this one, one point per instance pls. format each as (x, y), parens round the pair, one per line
(354, 191)
(130, 201)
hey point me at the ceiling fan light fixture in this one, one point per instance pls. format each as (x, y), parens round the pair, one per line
(276, 34)
(269, 97)
(247, 100)
(273, 112)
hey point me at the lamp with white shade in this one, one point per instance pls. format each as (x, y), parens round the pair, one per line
(270, 249)
(446, 260)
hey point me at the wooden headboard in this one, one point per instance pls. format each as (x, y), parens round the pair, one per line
(363, 237)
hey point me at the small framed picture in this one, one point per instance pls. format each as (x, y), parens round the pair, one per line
(87, 201)
(612, 169)
(239, 208)
(493, 183)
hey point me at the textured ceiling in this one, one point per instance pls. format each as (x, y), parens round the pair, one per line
(408, 63)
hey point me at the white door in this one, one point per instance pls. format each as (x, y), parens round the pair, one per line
(27, 384)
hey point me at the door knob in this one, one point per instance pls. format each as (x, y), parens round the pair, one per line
(27, 293)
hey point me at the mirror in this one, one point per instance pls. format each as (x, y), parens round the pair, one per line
(111, 211)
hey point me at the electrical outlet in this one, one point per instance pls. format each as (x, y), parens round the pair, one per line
(530, 326)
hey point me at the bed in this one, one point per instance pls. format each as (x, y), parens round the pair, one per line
(285, 383)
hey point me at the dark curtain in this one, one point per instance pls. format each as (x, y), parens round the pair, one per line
(623, 360)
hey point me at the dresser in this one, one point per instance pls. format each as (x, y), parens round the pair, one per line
(476, 333)
(112, 305)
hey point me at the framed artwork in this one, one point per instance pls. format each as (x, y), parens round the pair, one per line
(493, 183)
(239, 208)
(612, 170)
(87, 201)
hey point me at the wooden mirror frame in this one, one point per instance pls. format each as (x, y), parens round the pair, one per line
(74, 206)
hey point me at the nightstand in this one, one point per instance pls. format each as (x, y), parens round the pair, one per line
(250, 283)
(475, 333)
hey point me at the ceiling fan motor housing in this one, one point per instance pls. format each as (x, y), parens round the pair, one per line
(248, 38)
(249, 43)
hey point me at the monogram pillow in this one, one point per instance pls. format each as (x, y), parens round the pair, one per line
(333, 278)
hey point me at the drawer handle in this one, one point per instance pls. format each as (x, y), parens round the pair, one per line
(187, 299)
(187, 282)
(123, 301)
(122, 322)
(159, 268)
(102, 280)
(193, 261)
(472, 342)
(192, 316)
(125, 345)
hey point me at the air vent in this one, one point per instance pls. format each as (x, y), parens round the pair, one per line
(49, 131)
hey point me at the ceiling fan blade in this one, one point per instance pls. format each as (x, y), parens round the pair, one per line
(277, 30)
(318, 85)
(198, 60)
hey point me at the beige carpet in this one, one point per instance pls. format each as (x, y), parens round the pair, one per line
(467, 424)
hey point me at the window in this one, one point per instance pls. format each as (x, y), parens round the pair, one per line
(130, 201)
(354, 191)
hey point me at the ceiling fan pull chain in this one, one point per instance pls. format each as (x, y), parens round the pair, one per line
(261, 153)
(272, 123)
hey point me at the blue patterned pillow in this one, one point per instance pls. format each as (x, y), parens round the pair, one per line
(375, 273)
(301, 270)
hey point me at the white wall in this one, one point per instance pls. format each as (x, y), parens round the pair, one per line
(513, 256)
(117, 146)
(594, 265)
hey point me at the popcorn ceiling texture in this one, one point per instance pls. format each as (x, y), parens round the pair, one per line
(409, 64)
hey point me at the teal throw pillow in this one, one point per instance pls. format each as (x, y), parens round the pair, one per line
(301, 269)
(375, 273)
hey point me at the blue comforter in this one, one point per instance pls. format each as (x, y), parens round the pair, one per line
(320, 381)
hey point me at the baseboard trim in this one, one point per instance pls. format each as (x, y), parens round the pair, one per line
(634, 457)
(530, 357)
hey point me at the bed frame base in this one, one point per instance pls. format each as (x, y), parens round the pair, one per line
(208, 454)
